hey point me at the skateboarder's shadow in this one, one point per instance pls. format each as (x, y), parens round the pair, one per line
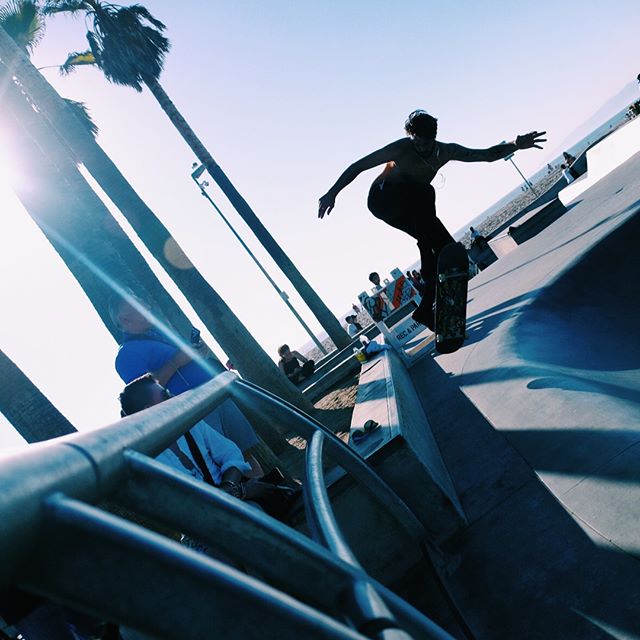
(483, 324)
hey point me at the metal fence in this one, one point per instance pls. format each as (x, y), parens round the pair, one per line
(80, 515)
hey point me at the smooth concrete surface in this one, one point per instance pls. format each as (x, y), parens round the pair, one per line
(537, 418)
(604, 157)
(402, 449)
(502, 244)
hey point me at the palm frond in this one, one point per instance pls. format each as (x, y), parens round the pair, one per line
(82, 113)
(127, 43)
(52, 7)
(77, 59)
(22, 20)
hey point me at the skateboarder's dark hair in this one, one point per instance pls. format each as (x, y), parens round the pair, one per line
(421, 124)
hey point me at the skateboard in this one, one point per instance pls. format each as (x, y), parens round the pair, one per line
(451, 298)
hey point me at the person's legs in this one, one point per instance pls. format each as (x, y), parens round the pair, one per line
(411, 207)
(308, 368)
(229, 421)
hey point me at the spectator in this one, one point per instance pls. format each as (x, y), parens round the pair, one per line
(145, 349)
(566, 173)
(374, 278)
(294, 365)
(202, 452)
(353, 326)
(356, 308)
(477, 238)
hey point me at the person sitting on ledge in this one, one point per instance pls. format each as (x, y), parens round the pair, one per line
(353, 326)
(294, 365)
(202, 452)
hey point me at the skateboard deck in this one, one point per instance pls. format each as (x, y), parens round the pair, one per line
(451, 298)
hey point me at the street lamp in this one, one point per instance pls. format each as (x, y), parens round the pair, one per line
(510, 158)
(197, 172)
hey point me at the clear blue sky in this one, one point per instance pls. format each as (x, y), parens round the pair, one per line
(286, 95)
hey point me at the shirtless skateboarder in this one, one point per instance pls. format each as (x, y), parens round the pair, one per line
(402, 194)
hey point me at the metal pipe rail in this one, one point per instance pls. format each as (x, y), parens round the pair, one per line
(54, 542)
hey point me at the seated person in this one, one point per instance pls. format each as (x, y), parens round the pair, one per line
(353, 326)
(202, 452)
(143, 348)
(294, 365)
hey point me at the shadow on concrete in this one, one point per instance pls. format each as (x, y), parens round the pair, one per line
(561, 450)
(588, 317)
(544, 378)
(482, 324)
(527, 569)
(538, 257)
(373, 390)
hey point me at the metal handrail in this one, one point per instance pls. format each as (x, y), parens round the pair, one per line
(158, 492)
(369, 613)
(277, 411)
(94, 466)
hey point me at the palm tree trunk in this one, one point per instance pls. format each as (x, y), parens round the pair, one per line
(26, 407)
(327, 320)
(77, 223)
(233, 337)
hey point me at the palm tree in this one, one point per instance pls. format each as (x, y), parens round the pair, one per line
(128, 45)
(78, 225)
(233, 337)
(26, 407)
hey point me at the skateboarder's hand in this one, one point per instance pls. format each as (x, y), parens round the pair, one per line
(529, 140)
(325, 204)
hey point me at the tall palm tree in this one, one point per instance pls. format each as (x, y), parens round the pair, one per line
(78, 225)
(33, 416)
(232, 336)
(128, 45)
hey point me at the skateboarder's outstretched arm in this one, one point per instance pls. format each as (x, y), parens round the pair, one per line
(381, 156)
(498, 151)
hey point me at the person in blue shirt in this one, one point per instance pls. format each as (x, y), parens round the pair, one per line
(145, 349)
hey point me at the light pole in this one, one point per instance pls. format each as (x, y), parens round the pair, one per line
(510, 158)
(196, 174)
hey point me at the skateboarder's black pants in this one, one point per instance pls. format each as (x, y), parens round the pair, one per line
(411, 207)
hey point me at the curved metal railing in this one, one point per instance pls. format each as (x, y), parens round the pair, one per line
(66, 532)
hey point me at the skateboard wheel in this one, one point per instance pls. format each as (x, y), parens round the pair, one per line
(439, 337)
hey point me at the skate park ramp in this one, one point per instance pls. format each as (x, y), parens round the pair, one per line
(537, 418)
(604, 157)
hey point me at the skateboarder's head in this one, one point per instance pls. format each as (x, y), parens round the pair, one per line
(420, 124)
(374, 278)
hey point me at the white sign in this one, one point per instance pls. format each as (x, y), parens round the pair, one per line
(406, 330)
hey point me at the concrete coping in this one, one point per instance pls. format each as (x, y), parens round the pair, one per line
(418, 474)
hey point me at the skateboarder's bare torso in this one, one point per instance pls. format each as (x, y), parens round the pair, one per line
(416, 160)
